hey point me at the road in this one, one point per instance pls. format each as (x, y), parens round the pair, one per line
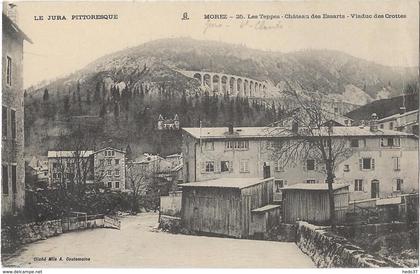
(137, 244)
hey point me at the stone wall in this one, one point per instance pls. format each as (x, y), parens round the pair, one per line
(328, 250)
(14, 236)
(170, 223)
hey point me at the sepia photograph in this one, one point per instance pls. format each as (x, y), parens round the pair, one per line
(204, 134)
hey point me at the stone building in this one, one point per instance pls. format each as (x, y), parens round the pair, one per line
(168, 124)
(110, 166)
(381, 163)
(402, 121)
(70, 167)
(13, 166)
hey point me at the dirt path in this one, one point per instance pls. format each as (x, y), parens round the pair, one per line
(137, 245)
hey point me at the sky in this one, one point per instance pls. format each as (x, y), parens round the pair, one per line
(62, 47)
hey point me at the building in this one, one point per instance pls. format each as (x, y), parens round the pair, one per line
(402, 121)
(39, 171)
(382, 162)
(311, 203)
(224, 206)
(70, 167)
(12, 155)
(110, 166)
(168, 124)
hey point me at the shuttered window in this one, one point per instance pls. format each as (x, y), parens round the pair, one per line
(13, 123)
(14, 186)
(5, 179)
(396, 161)
(358, 185)
(4, 122)
(367, 164)
(9, 70)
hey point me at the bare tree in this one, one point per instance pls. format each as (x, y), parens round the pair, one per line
(310, 135)
(140, 177)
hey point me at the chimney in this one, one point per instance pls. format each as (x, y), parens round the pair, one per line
(374, 122)
(402, 110)
(10, 9)
(230, 128)
(266, 171)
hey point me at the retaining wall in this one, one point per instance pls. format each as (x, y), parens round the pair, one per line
(328, 250)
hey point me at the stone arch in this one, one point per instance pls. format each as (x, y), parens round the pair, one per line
(256, 90)
(240, 86)
(198, 77)
(224, 87)
(216, 82)
(207, 80)
(251, 88)
(233, 86)
(246, 87)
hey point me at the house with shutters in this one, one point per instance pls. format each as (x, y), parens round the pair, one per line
(12, 146)
(110, 170)
(382, 162)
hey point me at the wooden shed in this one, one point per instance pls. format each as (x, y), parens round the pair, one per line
(263, 219)
(310, 202)
(223, 206)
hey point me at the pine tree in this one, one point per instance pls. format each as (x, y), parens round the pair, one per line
(46, 95)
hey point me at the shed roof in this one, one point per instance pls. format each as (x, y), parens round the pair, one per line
(238, 183)
(321, 186)
(265, 208)
(389, 201)
(68, 154)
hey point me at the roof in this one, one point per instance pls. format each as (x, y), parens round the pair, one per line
(68, 154)
(284, 132)
(238, 183)
(398, 115)
(265, 208)
(109, 148)
(389, 201)
(8, 23)
(321, 186)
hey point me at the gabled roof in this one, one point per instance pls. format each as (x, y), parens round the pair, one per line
(321, 186)
(12, 26)
(398, 115)
(283, 132)
(68, 154)
(109, 148)
(238, 183)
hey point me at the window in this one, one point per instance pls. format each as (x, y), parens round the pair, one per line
(9, 70)
(243, 145)
(367, 164)
(399, 184)
(102, 162)
(112, 153)
(13, 123)
(117, 184)
(335, 110)
(310, 164)
(225, 166)
(390, 142)
(311, 181)
(109, 162)
(209, 166)
(278, 184)
(208, 145)
(358, 185)
(5, 179)
(4, 122)
(14, 187)
(354, 143)
(117, 161)
(346, 168)
(381, 126)
(396, 163)
(109, 172)
(391, 125)
(55, 165)
(244, 166)
(117, 172)
(110, 184)
(279, 166)
(58, 175)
